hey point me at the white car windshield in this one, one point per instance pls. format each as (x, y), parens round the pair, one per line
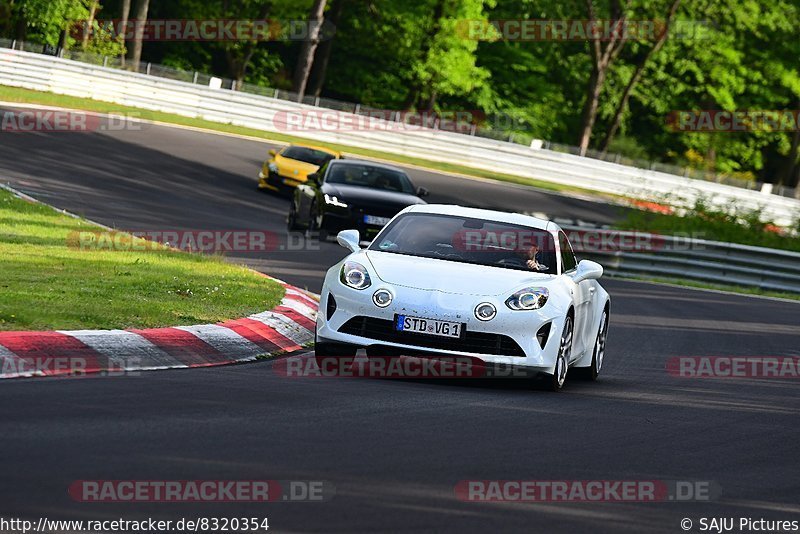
(469, 240)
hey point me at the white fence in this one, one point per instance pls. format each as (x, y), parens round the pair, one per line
(47, 73)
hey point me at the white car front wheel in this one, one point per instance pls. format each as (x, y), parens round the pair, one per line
(559, 376)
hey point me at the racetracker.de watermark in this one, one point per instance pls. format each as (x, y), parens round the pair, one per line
(32, 121)
(776, 367)
(395, 366)
(753, 120)
(69, 366)
(578, 30)
(205, 29)
(181, 491)
(582, 240)
(462, 121)
(538, 491)
(200, 241)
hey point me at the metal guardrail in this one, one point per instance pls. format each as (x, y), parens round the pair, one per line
(654, 256)
(62, 76)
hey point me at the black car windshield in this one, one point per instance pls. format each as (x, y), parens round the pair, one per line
(469, 240)
(307, 155)
(369, 176)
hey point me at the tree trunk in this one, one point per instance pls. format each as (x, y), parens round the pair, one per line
(640, 68)
(239, 60)
(593, 90)
(87, 31)
(135, 54)
(306, 59)
(416, 89)
(319, 69)
(792, 162)
(126, 11)
(603, 57)
(21, 32)
(237, 66)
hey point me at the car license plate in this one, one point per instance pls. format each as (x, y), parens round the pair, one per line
(377, 221)
(433, 327)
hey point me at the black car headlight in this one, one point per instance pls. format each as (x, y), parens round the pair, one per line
(355, 275)
(530, 298)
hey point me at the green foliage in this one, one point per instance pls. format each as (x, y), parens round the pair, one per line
(416, 54)
(731, 224)
(104, 43)
(48, 19)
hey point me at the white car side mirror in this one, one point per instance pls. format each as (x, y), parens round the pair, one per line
(350, 239)
(587, 270)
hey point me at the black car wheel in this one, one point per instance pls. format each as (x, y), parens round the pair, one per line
(291, 218)
(317, 223)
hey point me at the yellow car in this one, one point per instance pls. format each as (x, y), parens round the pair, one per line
(290, 167)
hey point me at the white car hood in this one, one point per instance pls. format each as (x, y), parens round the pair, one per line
(450, 276)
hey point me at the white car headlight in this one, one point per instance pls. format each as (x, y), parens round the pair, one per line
(485, 311)
(382, 298)
(333, 201)
(530, 298)
(355, 275)
(272, 166)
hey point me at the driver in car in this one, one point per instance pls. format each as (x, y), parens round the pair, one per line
(532, 261)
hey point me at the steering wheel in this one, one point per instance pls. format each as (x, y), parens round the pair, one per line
(511, 262)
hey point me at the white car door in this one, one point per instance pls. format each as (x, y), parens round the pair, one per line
(582, 296)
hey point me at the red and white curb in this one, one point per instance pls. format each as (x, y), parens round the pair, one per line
(286, 328)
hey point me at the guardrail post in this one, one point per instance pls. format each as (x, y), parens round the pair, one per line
(105, 61)
(316, 102)
(194, 78)
(13, 44)
(147, 70)
(358, 108)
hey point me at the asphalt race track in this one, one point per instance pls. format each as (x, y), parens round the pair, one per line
(393, 449)
(155, 177)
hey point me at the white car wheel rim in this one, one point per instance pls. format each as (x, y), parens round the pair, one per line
(600, 344)
(564, 352)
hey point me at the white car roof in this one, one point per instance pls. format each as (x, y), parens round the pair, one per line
(489, 215)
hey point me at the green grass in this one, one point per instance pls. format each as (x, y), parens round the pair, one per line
(15, 94)
(49, 283)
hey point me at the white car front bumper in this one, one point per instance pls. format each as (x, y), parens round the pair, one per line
(510, 338)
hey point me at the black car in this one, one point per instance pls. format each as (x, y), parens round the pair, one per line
(351, 194)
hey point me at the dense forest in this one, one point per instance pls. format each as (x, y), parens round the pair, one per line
(533, 63)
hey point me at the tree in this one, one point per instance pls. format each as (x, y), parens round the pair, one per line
(446, 62)
(52, 21)
(322, 57)
(641, 65)
(306, 58)
(93, 5)
(603, 57)
(125, 13)
(135, 51)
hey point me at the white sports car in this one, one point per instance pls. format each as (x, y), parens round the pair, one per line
(499, 288)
